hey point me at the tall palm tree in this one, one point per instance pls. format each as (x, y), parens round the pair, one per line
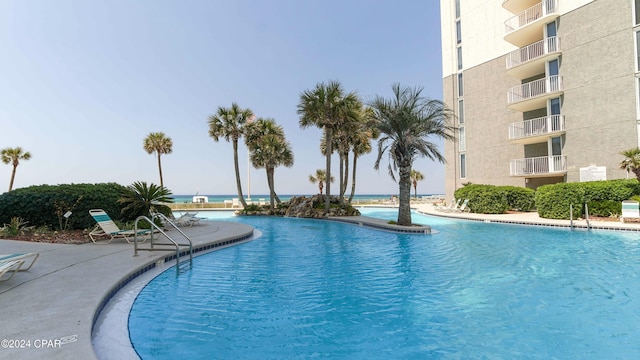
(631, 161)
(326, 107)
(269, 149)
(13, 156)
(159, 143)
(406, 122)
(361, 137)
(320, 177)
(415, 177)
(228, 123)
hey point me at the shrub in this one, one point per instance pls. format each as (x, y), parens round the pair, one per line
(490, 199)
(554, 201)
(605, 208)
(45, 205)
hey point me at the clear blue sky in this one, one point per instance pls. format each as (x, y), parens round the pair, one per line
(84, 82)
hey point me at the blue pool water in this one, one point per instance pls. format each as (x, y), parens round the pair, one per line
(319, 289)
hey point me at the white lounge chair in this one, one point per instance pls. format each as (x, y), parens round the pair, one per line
(630, 210)
(236, 203)
(463, 207)
(22, 256)
(454, 205)
(188, 219)
(106, 227)
(10, 267)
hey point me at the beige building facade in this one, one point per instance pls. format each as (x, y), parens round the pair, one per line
(544, 91)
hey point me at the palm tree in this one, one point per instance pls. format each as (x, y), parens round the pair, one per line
(361, 137)
(406, 121)
(269, 149)
(159, 143)
(320, 178)
(631, 161)
(13, 156)
(327, 107)
(415, 177)
(228, 123)
(141, 199)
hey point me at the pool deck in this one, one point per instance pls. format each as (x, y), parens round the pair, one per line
(49, 311)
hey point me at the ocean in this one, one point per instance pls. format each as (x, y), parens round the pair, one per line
(221, 198)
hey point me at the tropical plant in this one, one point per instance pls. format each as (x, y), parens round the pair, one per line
(142, 199)
(228, 123)
(13, 156)
(345, 137)
(415, 177)
(362, 135)
(327, 107)
(631, 161)
(321, 178)
(406, 122)
(159, 143)
(269, 149)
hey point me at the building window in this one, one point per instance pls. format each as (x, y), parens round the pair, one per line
(462, 142)
(458, 8)
(458, 32)
(459, 57)
(460, 85)
(636, 9)
(460, 111)
(463, 166)
(638, 98)
(638, 50)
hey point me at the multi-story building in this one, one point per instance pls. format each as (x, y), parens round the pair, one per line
(544, 91)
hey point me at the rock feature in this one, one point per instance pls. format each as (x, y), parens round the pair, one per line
(305, 207)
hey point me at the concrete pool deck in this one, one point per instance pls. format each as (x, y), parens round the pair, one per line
(49, 311)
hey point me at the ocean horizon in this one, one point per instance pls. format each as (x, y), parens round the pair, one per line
(221, 198)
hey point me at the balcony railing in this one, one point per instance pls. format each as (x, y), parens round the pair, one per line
(536, 127)
(532, 14)
(531, 52)
(539, 166)
(534, 89)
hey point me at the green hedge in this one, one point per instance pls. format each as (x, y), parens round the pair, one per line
(44, 205)
(553, 201)
(490, 199)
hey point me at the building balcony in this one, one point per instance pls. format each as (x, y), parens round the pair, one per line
(543, 166)
(531, 59)
(533, 95)
(528, 26)
(518, 6)
(536, 130)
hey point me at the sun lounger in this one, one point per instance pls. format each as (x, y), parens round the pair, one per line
(463, 207)
(107, 228)
(22, 256)
(10, 267)
(630, 210)
(188, 219)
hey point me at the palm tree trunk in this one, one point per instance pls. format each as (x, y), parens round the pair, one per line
(404, 209)
(235, 164)
(160, 170)
(13, 176)
(342, 185)
(272, 192)
(346, 176)
(353, 178)
(329, 135)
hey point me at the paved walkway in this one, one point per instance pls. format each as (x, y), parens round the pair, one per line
(531, 218)
(48, 311)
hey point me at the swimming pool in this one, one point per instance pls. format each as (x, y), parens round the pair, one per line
(311, 288)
